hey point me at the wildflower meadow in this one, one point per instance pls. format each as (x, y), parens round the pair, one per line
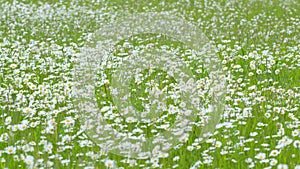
(124, 84)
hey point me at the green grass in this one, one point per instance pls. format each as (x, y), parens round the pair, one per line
(45, 48)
